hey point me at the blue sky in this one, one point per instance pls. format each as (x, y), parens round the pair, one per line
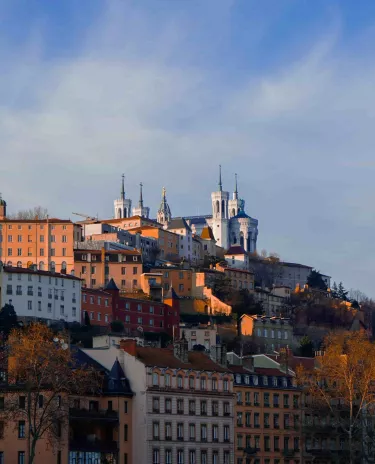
(166, 90)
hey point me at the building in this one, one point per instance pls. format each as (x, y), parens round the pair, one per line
(164, 215)
(186, 400)
(292, 275)
(267, 333)
(180, 227)
(199, 334)
(96, 267)
(168, 242)
(46, 243)
(97, 303)
(208, 242)
(178, 279)
(267, 414)
(39, 294)
(273, 301)
(239, 278)
(229, 222)
(237, 257)
(197, 256)
(141, 210)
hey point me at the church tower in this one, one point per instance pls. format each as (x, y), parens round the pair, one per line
(122, 206)
(142, 211)
(3, 208)
(236, 204)
(220, 219)
(164, 212)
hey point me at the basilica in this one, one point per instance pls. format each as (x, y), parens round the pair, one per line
(229, 222)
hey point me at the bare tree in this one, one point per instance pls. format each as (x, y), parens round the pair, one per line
(38, 212)
(42, 373)
(340, 396)
(267, 268)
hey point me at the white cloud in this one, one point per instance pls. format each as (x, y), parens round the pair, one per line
(127, 101)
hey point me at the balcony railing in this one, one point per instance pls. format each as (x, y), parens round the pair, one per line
(89, 443)
(92, 414)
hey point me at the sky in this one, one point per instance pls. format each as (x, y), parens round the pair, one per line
(279, 91)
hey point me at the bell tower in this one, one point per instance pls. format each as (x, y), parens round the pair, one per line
(122, 206)
(143, 211)
(220, 217)
(3, 208)
(236, 204)
(164, 212)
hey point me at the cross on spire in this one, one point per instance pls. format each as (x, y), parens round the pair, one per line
(123, 187)
(140, 195)
(236, 188)
(220, 181)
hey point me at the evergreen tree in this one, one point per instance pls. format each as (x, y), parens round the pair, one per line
(335, 290)
(8, 319)
(306, 348)
(315, 280)
(87, 319)
(342, 293)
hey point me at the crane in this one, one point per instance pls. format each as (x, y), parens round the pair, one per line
(86, 216)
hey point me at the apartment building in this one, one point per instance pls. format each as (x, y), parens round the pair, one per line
(45, 243)
(199, 334)
(273, 301)
(178, 279)
(96, 267)
(168, 242)
(180, 227)
(186, 400)
(267, 415)
(39, 294)
(97, 303)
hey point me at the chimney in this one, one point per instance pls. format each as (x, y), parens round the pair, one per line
(181, 349)
(129, 346)
(218, 354)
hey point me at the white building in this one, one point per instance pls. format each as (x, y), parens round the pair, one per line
(180, 227)
(141, 210)
(41, 294)
(237, 257)
(123, 206)
(202, 334)
(183, 402)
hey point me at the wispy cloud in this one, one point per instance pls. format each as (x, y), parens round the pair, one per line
(134, 98)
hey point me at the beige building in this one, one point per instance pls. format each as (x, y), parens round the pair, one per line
(184, 402)
(268, 333)
(273, 301)
(202, 334)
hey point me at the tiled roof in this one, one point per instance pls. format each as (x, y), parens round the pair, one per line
(295, 361)
(164, 357)
(27, 270)
(207, 233)
(235, 250)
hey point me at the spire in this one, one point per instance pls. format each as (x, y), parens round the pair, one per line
(123, 188)
(236, 189)
(140, 196)
(220, 182)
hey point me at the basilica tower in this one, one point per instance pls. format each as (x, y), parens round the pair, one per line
(164, 212)
(122, 206)
(143, 211)
(220, 217)
(236, 204)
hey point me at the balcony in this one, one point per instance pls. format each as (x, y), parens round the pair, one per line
(93, 415)
(91, 443)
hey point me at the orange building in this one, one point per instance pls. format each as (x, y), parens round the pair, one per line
(167, 241)
(131, 222)
(178, 279)
(98, 267)
(267, 416)
(46, 243)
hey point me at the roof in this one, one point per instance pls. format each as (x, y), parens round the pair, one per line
(235, 269)
(95, 291)
(207, 233)
(164, 357)
(111, 285)
(113, 252)
(236, 250)
(284, 263)
(178, 223)
(241, 215)
(259, 371)
(171, 295)
(37, 221)
(295, 361)
(26, 270)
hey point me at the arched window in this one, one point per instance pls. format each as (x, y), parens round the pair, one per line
(9, 263)
(52, 266)
(19, 264)
(233, 212)
(63, 266)
(155, 378)
(191, 382)
(234, 239)
(217, 207)
(242, 243)
(223, 207)
(119, 213)
(41, 266)
(180, 381)
(125, 213)
(167, 380)
(203, 383)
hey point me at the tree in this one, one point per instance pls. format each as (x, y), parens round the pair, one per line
(306, 347)
(8, 320)
(315, 280)
(267, 268)
(335, 290)
(87, 319)
(340, 390)
(243, 302)
(32, 213)
(117, 326)
(43, 369)
(341, 292)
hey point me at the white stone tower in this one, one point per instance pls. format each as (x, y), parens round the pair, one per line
(143, 211)
(220, 219)
(235, 205)
(122, 206)
(164, 212)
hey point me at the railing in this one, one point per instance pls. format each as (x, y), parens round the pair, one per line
(92, 414)
(88, 444)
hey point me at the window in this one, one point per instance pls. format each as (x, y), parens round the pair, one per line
(275, 400)
(40, 401)
(181, 287)
(203, 432)
(239, 419)
(155, 456)
(168, 405)
(192, 407)
(155, 405)
(295, 401)
(49, 307)
(155, 430)
(226, 409)
(239, 397)
(62, 310)
(168, 431)
(215, 457)
(226, 385)
(135, 270)
(22, 402)
(276, 423)
(126, 432)
(139, 307)
(19, 290)
(192, 432)
(191, 382)
(19, 251)
(21, 429)
(155, 379)
(215, 408)
(167, 380)
(127, 318)
(180, 381)
(29, 305)
(203, 383)
(180, 456)
(266, 397)
(168, 456)
(226, 433)
(215, 433)
(286, 401)
(21, 457)
(1, 402)
(39, 305)
(248, 419)
(192, 457)
(204, 459)
(256, 399)
(1, 436)
(256, 420)
(266, 420)
(226, 457)
(106, 302)
(203, 408)
(139, 320)
(180, 406)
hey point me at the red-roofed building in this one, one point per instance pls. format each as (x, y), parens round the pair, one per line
(237, 257)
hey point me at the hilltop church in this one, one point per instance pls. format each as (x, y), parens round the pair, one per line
(229, 222)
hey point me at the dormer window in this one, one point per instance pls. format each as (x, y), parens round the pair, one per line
(274, 381)
(255, 379)
(285, 382)
(265, 380)
(247, 379)
(238, 379)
